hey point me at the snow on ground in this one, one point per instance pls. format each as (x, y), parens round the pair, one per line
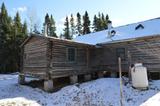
(154, 101)
(100, 92)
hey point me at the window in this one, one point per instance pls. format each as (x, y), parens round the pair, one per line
(120, 52)
(25, 56)
(71, 54)
(140, 26)
(113, 32)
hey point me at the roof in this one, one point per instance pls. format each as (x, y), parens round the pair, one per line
(130, 31)
(49, 37)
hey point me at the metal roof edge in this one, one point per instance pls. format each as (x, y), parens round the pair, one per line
(127, 40)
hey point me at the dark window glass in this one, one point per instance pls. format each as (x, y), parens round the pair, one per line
(71, 54)
(140, 26)
(25, 56)
(120, 53)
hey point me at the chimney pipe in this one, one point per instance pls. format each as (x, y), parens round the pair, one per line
(109, 28)
(109, 24)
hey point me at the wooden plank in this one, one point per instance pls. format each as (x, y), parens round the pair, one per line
(87, 58)
(21, 59)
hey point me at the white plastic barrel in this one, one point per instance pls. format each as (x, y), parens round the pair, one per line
(139, 76)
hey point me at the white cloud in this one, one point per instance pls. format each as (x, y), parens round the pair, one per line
(60, 23)
(20, 9)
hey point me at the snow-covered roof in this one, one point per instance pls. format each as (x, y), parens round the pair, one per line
(130, 31)
(50, 37)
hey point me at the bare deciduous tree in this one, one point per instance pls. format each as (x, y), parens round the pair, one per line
(33, 19)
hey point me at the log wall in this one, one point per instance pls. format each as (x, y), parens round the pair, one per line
(146, 50)
(47, 58)
(60, 66)
(34, 56)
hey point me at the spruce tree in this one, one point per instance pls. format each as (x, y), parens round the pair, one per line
(79, 24)
(24, 29)
(107, 20)
(47, 23)
(66, 34)
(52, 27)
(17, 38)
(35, 29)
(5, 32)
(86, 23)
(12, 34)
(72, 25)
(95, 23)
(5, 22)
(103, 22)
(17, 24)
(100, 22)
(47, 20)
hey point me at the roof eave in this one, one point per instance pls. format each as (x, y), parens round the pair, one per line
(129, 40)
(34, 35)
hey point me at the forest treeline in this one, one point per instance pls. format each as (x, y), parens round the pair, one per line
(13, 32)
(77, 25)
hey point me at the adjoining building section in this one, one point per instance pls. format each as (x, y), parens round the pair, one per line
(93, 54)
(134, 43)
(49, 58)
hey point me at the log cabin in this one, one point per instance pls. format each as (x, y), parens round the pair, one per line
(49, 58)
(134, 43)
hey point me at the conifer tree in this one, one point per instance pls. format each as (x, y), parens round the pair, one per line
(100, 22)
(66, 34)
(5, 22)
(72, 25)
(95, 23)
(24, 28)
(12, 34)
(100, 27)
(17, 38)
(86, 23)
(5, 32)
(47, 22)
(35, 29)
(52, 27)
(79, 24)
(107, 20)
(17, 20)
(103, 22)
(17, 24)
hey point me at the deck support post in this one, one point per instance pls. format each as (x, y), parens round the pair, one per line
(100, 74)
(87, 77)
(48, 85)
(21, 79)
(73, 79)
(113, 74)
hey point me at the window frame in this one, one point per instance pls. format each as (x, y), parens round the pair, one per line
(75, 54)
(119, 51)
(139, 26)
(25, 56)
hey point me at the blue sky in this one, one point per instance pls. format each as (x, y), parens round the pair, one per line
(120, 11)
